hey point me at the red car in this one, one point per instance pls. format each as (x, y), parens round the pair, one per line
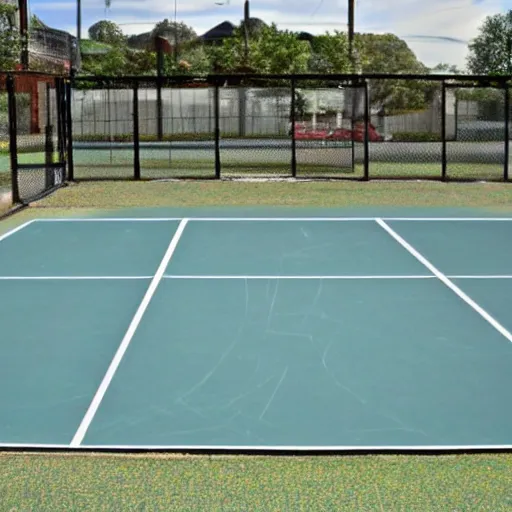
(342, 134)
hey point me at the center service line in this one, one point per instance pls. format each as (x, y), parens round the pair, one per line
(100, 393)
(468, 300)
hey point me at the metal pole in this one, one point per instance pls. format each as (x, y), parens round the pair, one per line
(444, 157)
(23, 7)
(246, 31)
(78, 27)
(507, 130)
(351, 16)
(13, 140)
(69, 128)
(176, 32)
(216, 106)
(293, 121)
(136, 134)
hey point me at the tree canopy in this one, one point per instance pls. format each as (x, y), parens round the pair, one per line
(490, 53)
(9, 37)
(107, 32)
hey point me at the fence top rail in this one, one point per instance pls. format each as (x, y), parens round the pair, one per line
(489, 80)
(258, 76)
(15, 73)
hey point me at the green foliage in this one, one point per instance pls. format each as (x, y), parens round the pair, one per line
(170, 30)
(270, 51)
(389, 54)
(491, 51)
(443, 67)
(330, 54)
(10, 44)
(108, 64)
(107, 32)
(193, 60)
(118, 61)
(480, 94)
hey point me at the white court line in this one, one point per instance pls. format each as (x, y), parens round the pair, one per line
(111, 219)
(107, 379)
(74, 278)
(240, 277)
(468, 300)
(15, 230)
(260, 448)
(281, 219)
(480, 277)
(255, 277)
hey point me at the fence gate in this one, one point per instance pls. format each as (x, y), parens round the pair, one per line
(476, 130)
(330, 135)
(37, 132)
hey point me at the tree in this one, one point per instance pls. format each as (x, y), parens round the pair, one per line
(10, 44)
(172, 31)
(388, 53)
(107, 32)
(442, 67)
(270, 51)
(330, 54)
(194, 60)
(490, 53)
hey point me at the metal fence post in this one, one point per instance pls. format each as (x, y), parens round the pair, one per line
(443, 132)
(216, 106)
(48, 142)
(159, 109)
(61, 120)
(367, 120)
(136, 134)
(507, 131)
(13, 142)
(69, 129)
(293, 120)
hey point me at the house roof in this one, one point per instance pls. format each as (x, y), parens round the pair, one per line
(224, 29)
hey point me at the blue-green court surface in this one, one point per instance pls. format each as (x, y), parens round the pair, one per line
(295, 333)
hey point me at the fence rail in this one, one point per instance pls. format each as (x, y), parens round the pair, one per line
(438, 127)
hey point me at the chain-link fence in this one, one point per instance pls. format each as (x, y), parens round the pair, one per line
(33, 144)
(328, 126)
(5, 167)
(328, 139)
(252, 126)
(40, 136)
(405, 119)
(102, 113)
(176, 123)
(478, 143)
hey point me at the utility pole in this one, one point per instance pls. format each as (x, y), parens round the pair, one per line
(23, 6)
(176, 33)
(78, 28)
(351, 9)
(246, 31)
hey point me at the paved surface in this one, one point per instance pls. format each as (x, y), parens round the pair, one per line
(238, 329)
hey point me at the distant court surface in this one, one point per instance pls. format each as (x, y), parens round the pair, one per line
(257, 334)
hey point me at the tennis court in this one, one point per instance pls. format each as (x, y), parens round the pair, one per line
(257, 334)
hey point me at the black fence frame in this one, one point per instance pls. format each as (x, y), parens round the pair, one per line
(55, 175)
(64, 129)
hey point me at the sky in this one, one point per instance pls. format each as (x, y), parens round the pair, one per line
(435, 30)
